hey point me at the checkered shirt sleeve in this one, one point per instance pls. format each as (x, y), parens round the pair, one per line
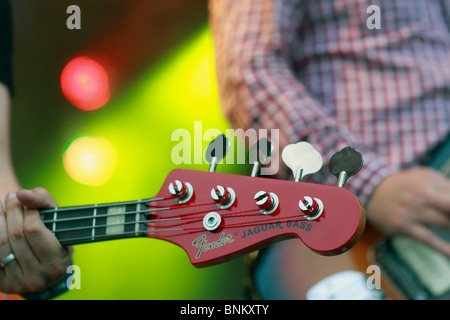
(317, 72)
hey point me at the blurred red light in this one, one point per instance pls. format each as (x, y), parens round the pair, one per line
(85, 83)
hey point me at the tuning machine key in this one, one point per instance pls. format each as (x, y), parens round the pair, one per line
(311, 208)
(302, 159)
(216, 151)
(181, 191)
(223, 197)
(345, 164)
(259, 154)
(267, 202)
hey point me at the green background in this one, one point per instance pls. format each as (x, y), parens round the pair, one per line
(174, 88)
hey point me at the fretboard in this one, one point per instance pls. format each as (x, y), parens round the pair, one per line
(84, 224)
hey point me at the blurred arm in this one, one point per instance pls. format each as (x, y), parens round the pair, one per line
(8, 180)
(254, 47)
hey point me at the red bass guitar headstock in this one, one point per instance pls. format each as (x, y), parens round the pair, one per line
(215, 217)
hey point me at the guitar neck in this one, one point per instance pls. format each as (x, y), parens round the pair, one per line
(85, 224)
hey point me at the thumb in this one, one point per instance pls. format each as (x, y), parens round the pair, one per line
(36, 198)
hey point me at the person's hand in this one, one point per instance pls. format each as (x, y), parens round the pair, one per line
(38, 261)
(410, 201)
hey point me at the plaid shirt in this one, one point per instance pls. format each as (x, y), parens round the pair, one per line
(314, 70)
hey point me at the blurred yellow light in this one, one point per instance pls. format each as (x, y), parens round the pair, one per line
(90, 160)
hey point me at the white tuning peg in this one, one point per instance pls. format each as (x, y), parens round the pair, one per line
(302, 159)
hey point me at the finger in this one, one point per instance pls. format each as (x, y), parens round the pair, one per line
(10, 275)
(44, 244)
(15, 224)
(36, 198)
(439, 194)
(433, 217)
(5, 249)
(441, 202)
(424, 234)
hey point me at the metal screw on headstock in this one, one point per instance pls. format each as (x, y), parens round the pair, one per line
(302, 159)
(259, 153)
(216, 151)
(345, 164)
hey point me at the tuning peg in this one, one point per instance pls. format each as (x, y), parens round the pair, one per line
(223, 197)
(259, 153)
(266, 202)
(302, 159)
(181, 191)
(345, 164)
(216, 151)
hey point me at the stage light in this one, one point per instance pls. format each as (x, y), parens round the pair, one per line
(85, 83)
(139, 122)
(89, 160)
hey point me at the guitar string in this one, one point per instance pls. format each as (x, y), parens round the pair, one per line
(189, 230)
(145, 202)
(182, 219)
(72, 219)
(130, 222)
(57, 220)
(145, 223)
(116, 204)
(148, 221)
(101, 205)
(145, 211)
(261, 222)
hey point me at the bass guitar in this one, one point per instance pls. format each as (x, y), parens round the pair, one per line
(216, 217)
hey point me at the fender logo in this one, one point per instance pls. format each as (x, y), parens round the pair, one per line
(202, 244)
